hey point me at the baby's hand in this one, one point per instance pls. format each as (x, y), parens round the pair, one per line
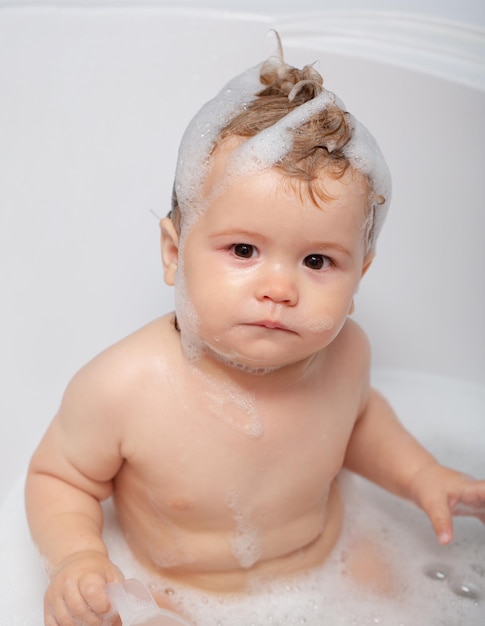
(442, 492)
(76, 594)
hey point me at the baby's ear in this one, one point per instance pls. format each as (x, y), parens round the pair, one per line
(368, 262)
(170, 249)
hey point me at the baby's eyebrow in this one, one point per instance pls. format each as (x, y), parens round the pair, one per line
(325, 245)
(239, 234)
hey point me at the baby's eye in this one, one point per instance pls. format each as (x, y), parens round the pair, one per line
(316, 261)
(244, 250)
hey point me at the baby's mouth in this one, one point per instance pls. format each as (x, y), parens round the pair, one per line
(271, 325)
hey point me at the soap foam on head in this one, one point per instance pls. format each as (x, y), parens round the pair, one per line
(200, 137)
(268, 147)
(272, 144)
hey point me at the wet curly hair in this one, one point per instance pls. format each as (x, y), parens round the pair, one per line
(317, 144)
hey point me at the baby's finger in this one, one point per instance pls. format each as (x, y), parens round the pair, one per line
(57, 614)
(92, 588)
(466, 511)
(78, 607)
(471, 501)
(470, 510)
(439, 515)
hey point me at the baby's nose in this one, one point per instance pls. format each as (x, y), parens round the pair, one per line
(278, 284)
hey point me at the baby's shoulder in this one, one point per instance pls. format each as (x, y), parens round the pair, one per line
(347, 363)
(157, 339)
(131, 362)
(353, 337)
(351, 350)
(105, 394)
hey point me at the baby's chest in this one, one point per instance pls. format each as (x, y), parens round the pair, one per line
(231, 449)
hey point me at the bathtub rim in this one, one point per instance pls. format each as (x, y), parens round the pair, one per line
(442, 47)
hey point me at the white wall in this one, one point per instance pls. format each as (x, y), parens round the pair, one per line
(468, 11)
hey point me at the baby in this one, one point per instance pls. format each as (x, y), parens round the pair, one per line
(220, 430)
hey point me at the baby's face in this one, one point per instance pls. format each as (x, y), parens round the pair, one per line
(270, 277)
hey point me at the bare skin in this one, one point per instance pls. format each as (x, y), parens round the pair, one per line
(222, 473)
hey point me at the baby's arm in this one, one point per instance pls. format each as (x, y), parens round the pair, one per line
(70, 473)
(383, 451)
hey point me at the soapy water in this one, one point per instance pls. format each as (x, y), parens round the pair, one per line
(242, 415)
(231, 405)
(245, 544)
(433, 585)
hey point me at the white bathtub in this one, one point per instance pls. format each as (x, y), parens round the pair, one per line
(93, 101)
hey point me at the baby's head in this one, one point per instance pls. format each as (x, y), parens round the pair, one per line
(277, 116)
(271, 173)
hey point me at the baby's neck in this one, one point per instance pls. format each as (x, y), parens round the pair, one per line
(254, 377)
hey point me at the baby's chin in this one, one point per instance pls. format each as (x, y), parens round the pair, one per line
(244, 363)
(198, 348)
(239, 363)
